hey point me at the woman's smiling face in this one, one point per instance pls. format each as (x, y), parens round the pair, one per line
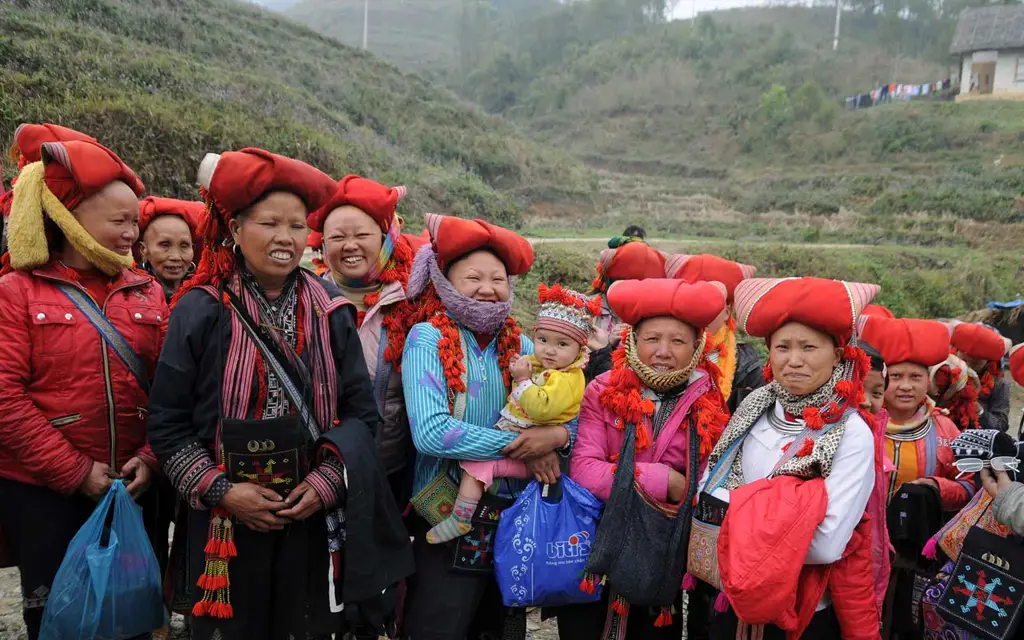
(352, 242)
(481, 276)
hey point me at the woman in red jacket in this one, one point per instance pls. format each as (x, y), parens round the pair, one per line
(917, 440)
(793, 473)
(81, 336)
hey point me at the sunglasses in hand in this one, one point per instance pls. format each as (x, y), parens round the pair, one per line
(998, 463)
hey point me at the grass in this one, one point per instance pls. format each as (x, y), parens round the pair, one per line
(164, 83)
(427, 47)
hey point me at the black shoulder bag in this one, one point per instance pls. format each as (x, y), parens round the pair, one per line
(641, 544)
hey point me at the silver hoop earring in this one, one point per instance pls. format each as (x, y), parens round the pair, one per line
(191, 268)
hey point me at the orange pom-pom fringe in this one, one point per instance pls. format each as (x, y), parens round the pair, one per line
(215, 581)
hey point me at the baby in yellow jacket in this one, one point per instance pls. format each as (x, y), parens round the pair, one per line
(547, 390)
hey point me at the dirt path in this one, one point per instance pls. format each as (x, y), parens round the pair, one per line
(704, 241)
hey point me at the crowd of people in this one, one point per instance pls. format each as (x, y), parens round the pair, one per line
(326, 443)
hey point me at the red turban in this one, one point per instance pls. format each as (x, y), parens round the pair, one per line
(79, 169)
(415, 242)
(372, 198)
(978, 341)
(153, 207)
(237, 179)
(454, 237)
(191, 212)
(764, 304)
(921, 342)
(695, 304)
(29, 139)
(632, 261)
(878, 310)
(1017, 364)
(315, 241)
(708, 268)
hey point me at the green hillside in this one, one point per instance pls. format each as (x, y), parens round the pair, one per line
(418, 35)
(743, 107)
(165, 82)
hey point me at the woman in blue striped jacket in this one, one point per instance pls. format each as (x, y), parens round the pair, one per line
(455, 374)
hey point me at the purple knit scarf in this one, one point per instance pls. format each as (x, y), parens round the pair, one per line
(478, 317)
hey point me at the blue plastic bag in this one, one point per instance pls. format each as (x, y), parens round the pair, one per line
(108, 585)
(542, 545)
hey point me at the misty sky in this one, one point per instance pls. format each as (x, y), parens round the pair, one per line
(685, 8)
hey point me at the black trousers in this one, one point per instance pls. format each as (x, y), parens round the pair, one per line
(442, 604)
(39, 525)
(279, 582)
(824, 626)
(587, 622)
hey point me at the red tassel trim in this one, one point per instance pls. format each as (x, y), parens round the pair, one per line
(620, 606)
(806, 448)
(664, 618)
(215, 581)
(812, 416)
(589, 583)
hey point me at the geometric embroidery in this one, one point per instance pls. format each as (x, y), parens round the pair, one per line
(981, 595)
(982, 598)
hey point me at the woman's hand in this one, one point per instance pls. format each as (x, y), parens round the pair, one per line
(302, 503)
(616, 336)
(676, 486)
(536, 442)
(98, 482)
(598, 339)
(256, 506)
(521, 369)
(141, 475)
(995, 482)
(545, 468)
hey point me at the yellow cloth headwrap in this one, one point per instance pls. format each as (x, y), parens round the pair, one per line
(26, 236)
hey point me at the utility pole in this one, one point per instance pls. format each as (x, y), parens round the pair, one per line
(366, 21)
(839, 16)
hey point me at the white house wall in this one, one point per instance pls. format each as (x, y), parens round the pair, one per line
(1006, 71)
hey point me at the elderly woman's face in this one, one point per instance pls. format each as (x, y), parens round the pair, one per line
(665, 343)
(111, 217)
(167, 247)
(352, 241)
(272, 235)
(802, 357)
(480, 276)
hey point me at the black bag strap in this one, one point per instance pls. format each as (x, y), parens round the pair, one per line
(276, 360)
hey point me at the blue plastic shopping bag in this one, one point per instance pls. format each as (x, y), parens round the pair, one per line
(542, 545)
(108, 585)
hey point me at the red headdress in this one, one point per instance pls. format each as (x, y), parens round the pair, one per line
(632, 260)
(708, 268)
(1017, 364)
(921, 342)
(695, 304)
(236, 180)
(765, 305)
(450, 239)
(983, 343)
(878, 310)
(191, 212)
